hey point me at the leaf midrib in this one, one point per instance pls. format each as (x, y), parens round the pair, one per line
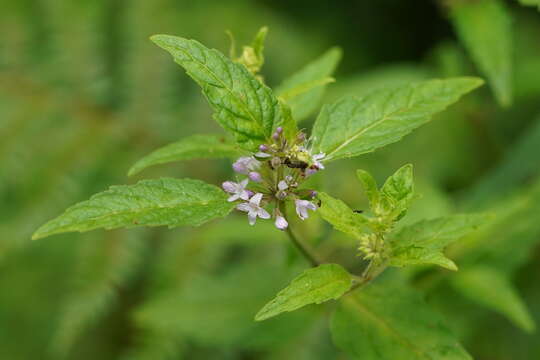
(305, 294)
(386, 327)
(229, 90)
(362, 131)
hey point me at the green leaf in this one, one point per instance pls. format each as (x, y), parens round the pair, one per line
(530, 3)
(313, 286)
(354, 126)
(258, 43)
(424, 241)
(253, 56)
(398, 190)
(392, 322)
(304, 90)
(370, 187)
(242, 104)
(171, 202)
(484, 27)
(492, 289)
(340, 216)
(192, 147)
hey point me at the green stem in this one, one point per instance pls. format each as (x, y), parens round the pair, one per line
(304, 248)
(369, 274)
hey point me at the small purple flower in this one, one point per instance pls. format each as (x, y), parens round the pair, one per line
(275, 136)
(302, 207)
(246, 164)
(262, 155)
(313, 193)
(282, 185)
(238, 190)
(279, 129)
(317, 160)
(263, 147)
(255, 176)
(254, 209)
(310, 171)
(281, 223)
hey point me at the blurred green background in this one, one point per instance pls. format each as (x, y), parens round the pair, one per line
(84, 94)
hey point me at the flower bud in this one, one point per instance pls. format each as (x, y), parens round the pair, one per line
(279, 129)
(313, 193)
(281, 223)
(275, 136)
(263, 147)
(255, 176)
(281, 195)
(275, 162)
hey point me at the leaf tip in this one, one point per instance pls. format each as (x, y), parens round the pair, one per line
(134, 170)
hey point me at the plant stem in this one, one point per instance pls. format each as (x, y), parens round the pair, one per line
(369, 274)
(304, 248)
(306, 251)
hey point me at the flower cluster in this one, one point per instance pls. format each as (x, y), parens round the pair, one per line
(273, 176)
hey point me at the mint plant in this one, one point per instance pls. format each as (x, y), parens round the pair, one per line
(272, 159)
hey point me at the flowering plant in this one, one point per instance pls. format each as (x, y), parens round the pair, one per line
(273, 160)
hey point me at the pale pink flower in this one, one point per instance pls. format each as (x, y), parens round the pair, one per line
(302, 207)
(238, 190)
(253, 209)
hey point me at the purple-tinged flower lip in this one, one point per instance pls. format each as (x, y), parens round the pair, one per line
(281, 223)
(237, 190)
(302, 207)
(246, 164)
(262, 155)
(255, 176)
(253, 208)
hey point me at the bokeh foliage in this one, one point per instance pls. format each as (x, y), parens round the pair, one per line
(84, 94)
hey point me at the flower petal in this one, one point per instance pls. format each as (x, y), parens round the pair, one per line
(256, 199)
(282, 185)
(263, 214)
(281, 223)
(229, 186)
(252, 217)
(244, 207)
(244, 195)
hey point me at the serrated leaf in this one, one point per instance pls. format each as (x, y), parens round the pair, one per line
(243, 105)
(484, 27)
(391, 322)
(340, 216)
(304, 90)
(492, 289)
(398, 190)
(354, 126)
(313, 286)
(424, 241)
(170, 202)
(370, 187)
(192, 147)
